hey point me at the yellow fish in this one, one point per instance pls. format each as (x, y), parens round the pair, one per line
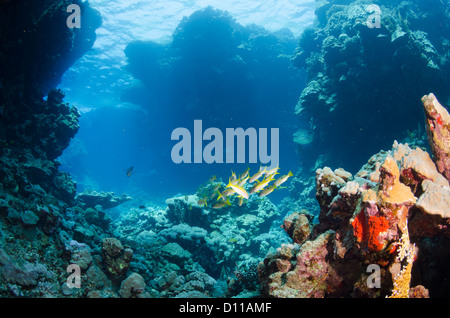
(233, 177)
(244, 174)
(259, 186)
(221, 204)
(225, 193)
(242, 182)
(212, 178)
(267, 191)
(213, 195)
(239, 190)
(272, 171)
(257, 175)
(282, 179)
(202, 202)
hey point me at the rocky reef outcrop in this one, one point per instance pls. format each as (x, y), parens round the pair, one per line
(388, 219)
(438, 130)
(37, 46)
(365, 82)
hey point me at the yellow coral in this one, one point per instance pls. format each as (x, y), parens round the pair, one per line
(402, 280)
(397, 192)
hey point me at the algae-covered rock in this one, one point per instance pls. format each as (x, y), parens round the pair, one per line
(313, 275)
(297, 226)
(116, 258)
(175, 253)
(438, 130)
(29, 218)
(132, 286)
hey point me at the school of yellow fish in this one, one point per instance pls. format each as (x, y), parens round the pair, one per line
(236, 184)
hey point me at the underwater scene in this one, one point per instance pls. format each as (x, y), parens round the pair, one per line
(224, 149)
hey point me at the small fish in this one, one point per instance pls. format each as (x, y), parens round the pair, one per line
(259, 186)
(241, 200)
(141, 207)
(233, 177)
(267, 191)
(257, 175)
(272, 171)
(129, 171)
(244, 174)
(242, 182)
(221, 204)
(211, 179)
(225, 193)
(239, 190)
(217, 187)
(213, 195)
(232, 240)
(282, 179)
(202, 202)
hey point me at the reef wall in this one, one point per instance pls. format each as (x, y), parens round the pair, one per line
(36, 48)
(365, 84)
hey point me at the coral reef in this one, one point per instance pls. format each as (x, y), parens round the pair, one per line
(381, 216)
(392, 215)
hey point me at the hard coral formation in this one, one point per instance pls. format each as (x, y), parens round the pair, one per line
(438, 130)
(382, 215)
(381, 210)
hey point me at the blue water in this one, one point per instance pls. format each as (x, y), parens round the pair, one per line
(144, 79)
